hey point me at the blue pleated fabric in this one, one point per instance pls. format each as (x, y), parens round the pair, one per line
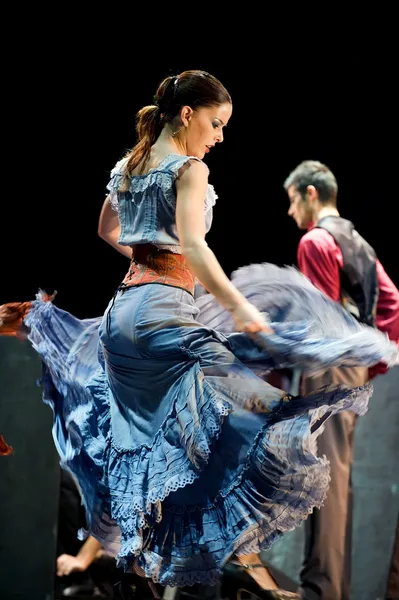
(184, 455)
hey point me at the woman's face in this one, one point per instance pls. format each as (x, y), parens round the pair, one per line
(203, 128)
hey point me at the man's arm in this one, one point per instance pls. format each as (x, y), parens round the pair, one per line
(387, 313)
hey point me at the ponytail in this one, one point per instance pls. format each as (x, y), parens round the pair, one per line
(148, 127)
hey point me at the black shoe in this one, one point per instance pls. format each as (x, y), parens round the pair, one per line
(236, 582)
(84, 590)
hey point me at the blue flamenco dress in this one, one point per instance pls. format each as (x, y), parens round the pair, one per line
(183, 454)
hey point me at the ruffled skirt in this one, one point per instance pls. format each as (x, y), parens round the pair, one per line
(184, 455)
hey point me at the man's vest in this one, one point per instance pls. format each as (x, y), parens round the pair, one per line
(359, 282)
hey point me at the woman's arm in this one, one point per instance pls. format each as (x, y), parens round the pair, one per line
(67, 564)
(190, 220)
(109, 228)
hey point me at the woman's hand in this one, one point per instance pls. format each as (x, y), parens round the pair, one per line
(67, 564)
(248, 319)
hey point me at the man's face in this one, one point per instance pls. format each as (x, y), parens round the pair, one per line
(299, 208)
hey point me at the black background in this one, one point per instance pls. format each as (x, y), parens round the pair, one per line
(69, 108)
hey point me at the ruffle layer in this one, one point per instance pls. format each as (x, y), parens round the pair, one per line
(280, 484)
(131, 495)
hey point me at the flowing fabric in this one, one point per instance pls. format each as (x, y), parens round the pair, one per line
(184, 455)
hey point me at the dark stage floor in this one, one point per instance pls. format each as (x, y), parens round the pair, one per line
(139, 590)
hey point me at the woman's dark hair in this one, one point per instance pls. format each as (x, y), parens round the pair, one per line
(196, 89)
